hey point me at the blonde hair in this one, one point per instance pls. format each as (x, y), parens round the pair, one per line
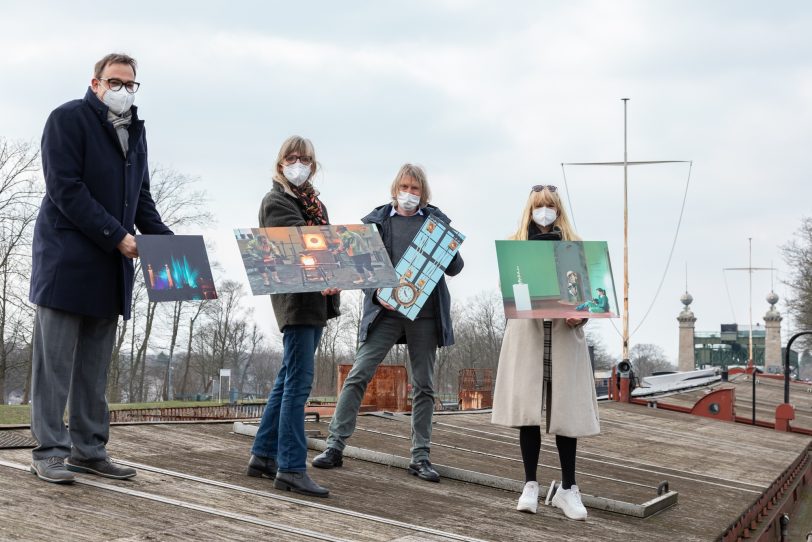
(418, 174)
(545, 198)
(297, 144)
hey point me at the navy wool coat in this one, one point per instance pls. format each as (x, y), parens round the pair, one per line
(94, 196)
(381, 217)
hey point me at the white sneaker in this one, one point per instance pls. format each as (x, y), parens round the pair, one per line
(529, 501)
(569, 501)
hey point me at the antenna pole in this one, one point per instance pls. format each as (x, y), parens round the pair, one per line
(625, 237)
(750, 274)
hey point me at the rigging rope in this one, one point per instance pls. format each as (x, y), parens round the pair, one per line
(569, 201)
(673, 243)
(671, 253)
(729, 299)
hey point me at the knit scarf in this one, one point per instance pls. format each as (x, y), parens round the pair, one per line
(309, 200)
(122, 125)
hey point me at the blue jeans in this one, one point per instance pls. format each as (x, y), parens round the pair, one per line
(281, 433)
(421, 340)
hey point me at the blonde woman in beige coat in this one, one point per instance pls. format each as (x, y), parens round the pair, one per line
(545, 376)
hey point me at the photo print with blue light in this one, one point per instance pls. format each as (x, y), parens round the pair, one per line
(175, 267)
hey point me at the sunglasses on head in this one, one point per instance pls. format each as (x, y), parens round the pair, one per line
(540, 187)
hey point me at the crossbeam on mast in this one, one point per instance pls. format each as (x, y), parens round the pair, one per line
(626, 163)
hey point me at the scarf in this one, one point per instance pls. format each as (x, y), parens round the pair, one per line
(312, 206)
(122, 124)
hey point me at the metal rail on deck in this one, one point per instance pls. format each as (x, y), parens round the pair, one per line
(660, 502)
(599, 476)
(624, 466)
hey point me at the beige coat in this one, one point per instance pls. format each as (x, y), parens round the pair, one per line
(518, 396)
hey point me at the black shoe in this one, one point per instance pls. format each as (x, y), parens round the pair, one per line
(299, 482)
(423, 470)
(52, 470)
(259, 467)
(100, 467)
(328, 459)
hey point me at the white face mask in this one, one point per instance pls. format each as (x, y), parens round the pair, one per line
(118, 101)
(544, 216)
(296, 173)
(408, 202)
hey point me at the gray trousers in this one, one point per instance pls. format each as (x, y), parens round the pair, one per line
(421, 340)
(70, 360)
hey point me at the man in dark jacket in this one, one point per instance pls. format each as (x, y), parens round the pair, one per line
(94, 157)
(382, 327)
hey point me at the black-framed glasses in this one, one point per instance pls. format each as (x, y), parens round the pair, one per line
(116, 84)
(540, 187)
(304, 160)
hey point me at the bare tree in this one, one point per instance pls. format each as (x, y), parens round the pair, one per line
(798, 257)
(19, 195)
(603, 359)
(648, 359)
(328, 356)
(177, 307)
(256, 342)
(263, 371)
(185, 383)
(181, 205)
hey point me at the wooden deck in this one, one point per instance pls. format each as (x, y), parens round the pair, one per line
(195, 487)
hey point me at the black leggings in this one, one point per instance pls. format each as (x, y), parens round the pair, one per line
(530, 443)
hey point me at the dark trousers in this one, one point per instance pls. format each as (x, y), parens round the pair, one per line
(421, 340)
(71, 356)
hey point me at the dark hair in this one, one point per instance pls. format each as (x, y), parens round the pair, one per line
(601, 290)
(113, 58)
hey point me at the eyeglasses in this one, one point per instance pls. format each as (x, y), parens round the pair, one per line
(304, 160)
(116, 84)
(540, 187)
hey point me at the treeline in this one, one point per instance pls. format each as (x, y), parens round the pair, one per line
(176, 350)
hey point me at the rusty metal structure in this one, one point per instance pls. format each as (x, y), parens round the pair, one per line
(475, 388)
(388, 389)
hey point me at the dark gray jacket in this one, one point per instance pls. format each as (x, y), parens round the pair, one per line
(381, 217)
(282, 209)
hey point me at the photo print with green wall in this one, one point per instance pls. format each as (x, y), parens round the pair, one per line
(556, 279)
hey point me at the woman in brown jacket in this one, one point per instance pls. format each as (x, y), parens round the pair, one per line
(280, 445)
(544, 374)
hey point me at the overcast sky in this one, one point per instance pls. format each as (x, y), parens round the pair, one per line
(491, 97)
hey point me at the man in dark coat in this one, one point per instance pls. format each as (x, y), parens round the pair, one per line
(94, 157)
